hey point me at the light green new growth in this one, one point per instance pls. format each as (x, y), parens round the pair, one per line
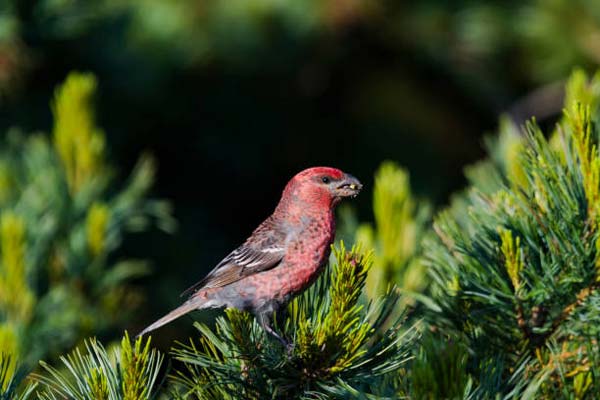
(78, 141)
(583, 98)
(513, 260)
(96, 226)
(130, 373)
(16, 297)
(139, 368)
(338, 329)
(393, 207)
(579, 119)
(399, 224)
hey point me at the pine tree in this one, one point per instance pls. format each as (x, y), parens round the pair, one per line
(515, 259)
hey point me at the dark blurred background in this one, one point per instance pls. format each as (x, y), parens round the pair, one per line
(233, 97)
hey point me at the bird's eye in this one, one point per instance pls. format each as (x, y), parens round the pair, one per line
(325, 179)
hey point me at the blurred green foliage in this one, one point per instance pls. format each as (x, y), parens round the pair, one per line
(471, 40)
(77, 140)
(400, 221)
(60, 222)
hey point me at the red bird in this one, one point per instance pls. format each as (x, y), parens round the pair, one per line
(282, 257)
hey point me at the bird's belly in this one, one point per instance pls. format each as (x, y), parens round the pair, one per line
(278, 285)
(304, 261)
(296, 274)
(283, 283)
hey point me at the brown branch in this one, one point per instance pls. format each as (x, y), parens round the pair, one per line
(522, 322)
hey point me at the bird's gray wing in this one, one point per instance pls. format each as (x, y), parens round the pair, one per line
(263, 250)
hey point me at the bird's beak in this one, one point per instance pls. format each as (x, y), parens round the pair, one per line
(348, 187)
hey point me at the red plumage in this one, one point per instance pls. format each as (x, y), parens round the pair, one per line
(282, 257)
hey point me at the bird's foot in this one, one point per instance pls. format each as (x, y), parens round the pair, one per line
(288, 345)
(264, 321)
(289, 349)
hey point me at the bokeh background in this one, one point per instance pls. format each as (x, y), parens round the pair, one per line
(233, 97)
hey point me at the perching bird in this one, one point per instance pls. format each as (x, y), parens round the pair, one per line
(282, 257)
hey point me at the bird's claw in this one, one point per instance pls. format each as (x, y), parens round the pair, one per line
(289, 349)
(287, 345)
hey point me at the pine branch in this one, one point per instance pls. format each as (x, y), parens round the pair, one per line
(339, 344)
(515, 260)
(130, 373)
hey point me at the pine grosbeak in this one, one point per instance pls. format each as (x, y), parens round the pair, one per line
(282, 257)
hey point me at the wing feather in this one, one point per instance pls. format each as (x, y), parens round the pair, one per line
(262, 251)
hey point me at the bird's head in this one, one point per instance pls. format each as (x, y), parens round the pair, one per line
(321, 186)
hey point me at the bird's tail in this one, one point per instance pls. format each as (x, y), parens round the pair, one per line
(176, 313)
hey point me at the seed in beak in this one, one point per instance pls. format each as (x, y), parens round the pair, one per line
(353, 186)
